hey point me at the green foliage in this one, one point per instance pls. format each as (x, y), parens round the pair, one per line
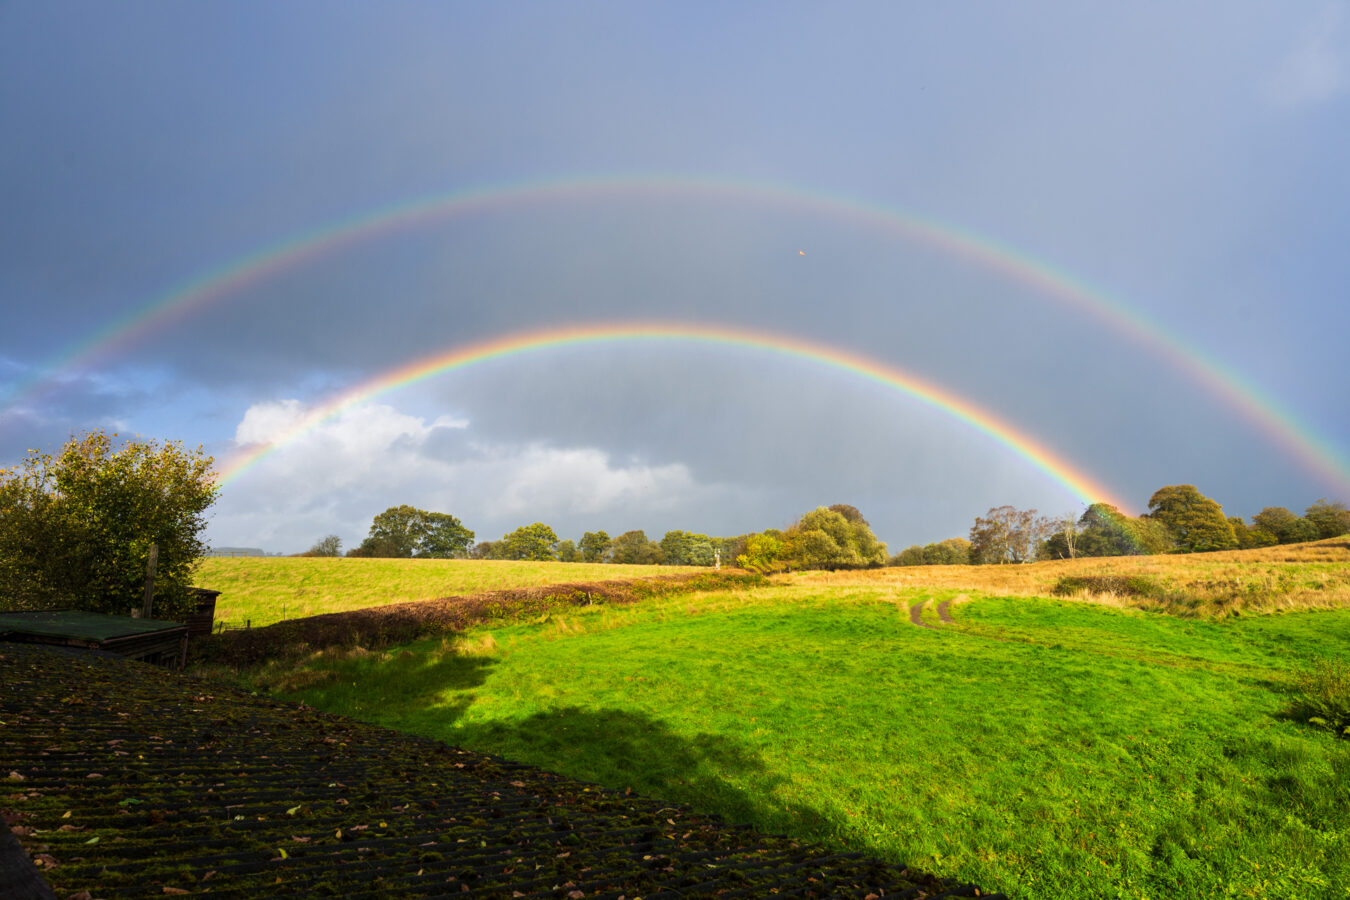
(76, 531)
(404, 531)
(567, 551)
(1322, 695)
(594, 546)
(1331, 519)
(536, 542)
(1007, 535)
(1284, 525)
(910, 556)
(763, 552)
(1104, 530)
(1195, 522)
(827, 538)
(633, 548)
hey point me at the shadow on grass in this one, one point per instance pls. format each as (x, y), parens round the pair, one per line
(623, 749)
(616, 748)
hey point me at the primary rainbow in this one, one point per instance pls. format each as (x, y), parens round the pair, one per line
(1316, 454)
(1071, 477)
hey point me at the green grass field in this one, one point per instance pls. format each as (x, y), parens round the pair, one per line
(263, 590)
(1046, 748)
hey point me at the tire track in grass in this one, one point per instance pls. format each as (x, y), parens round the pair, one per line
(916, 614)
(944, 609)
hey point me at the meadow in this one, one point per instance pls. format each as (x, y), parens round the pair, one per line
(1048, 747)
(262, 590)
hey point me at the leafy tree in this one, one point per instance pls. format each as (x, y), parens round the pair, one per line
(828, 539)
(910, 556)
(1104, 530)
(594, 546)
(850, 513)
(633, 548)
(1331, 519)
(1007, 535)
(675, 547)
(951, 552)
(328, 545)
(762, 552)
(1250, 537)
(1287, 527)
(486, 550)
(1195, 522)
(535, 542)
(404, 531)
(568, 552)
(76, 531)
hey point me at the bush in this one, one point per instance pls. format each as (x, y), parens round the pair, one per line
(1121, 585)
(76, 531)
(1322, 695)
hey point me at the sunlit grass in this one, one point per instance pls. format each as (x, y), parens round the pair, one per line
(1043, 747)
(263, 590)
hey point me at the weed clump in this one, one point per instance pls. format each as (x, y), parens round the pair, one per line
(1122, 585)
(1322, 695)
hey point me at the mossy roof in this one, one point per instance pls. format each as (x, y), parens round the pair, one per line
(83, 626)
(125, 780)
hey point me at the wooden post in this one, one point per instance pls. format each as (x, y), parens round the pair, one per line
(150, 580)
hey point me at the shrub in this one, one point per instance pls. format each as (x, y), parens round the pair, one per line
(1322, 695)
(1122, 585)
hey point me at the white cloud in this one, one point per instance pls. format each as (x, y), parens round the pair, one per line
(1317, 69)
(333, 478)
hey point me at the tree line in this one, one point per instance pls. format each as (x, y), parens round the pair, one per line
(832, 537)
(1179, 520)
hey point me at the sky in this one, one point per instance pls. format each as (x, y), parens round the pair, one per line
(924, 259)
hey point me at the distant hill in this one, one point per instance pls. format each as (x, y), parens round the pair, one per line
(235, 551)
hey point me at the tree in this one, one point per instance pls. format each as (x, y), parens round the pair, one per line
(1006, 535)
(633, 548)
(1331, 519)
(329, 545)
(535, 542)
(849, 512)
(826, 538)
(762, 552)
(404, 531)
(567, 551)
(1287, 527)
(1195, 522)
(910, 556)
(594, 546)
(951, 552)
(76, 531)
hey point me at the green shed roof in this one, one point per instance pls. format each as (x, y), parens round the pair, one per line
(78, 625)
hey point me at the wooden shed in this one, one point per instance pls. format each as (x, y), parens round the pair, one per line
(149, 640)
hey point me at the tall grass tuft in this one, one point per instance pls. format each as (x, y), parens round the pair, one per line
(1322, 695)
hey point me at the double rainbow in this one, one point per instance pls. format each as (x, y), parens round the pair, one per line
(1071, 477)
(1300, 441)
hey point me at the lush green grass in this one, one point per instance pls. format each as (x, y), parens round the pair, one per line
(263, 590)
(1045, 748)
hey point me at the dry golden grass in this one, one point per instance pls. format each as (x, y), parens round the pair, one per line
(1270, 579)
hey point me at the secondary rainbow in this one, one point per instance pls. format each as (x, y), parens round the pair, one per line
(1301, 441)
(1072, 477)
